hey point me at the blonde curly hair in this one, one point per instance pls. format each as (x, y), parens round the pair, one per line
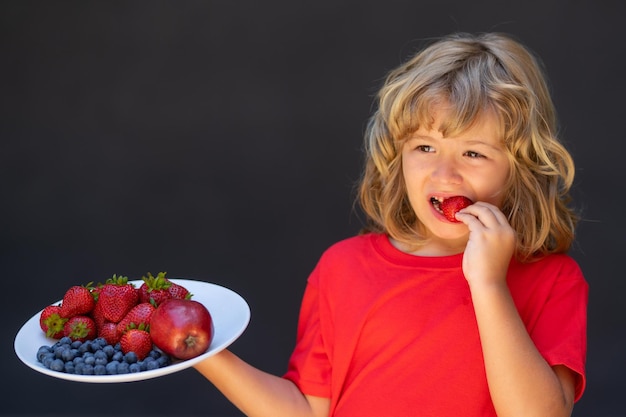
(473, 74)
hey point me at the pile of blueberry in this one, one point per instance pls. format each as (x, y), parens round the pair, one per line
(97, 357)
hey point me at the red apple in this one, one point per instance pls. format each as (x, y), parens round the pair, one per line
(181, 328)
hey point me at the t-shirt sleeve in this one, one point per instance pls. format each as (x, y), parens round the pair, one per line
(561, 332)
(309, 367)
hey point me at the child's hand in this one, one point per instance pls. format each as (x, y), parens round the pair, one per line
(490, 246)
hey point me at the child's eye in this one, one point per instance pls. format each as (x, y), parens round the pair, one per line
(473, 154)
(425, 148)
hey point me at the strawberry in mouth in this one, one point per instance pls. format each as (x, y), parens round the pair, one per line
(450, 206)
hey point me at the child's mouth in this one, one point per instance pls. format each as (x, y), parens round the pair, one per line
(436, 202)
(449, 206)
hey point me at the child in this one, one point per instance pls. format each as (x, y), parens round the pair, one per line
(477, 314)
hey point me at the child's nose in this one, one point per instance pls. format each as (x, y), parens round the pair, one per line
(447, 171)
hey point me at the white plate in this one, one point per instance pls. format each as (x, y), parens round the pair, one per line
(229, 311)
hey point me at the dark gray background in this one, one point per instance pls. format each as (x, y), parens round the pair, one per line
(220, 141)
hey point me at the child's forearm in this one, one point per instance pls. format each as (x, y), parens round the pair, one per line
(520, 381)
(257, 393)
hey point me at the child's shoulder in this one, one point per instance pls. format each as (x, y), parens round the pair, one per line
(559, 266)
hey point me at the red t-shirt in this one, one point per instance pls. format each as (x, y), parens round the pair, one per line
(385, 333)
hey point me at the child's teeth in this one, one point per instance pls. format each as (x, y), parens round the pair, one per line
(436, 201)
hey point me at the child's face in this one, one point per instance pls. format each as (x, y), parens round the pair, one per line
(473, 164)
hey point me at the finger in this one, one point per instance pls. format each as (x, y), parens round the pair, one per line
(488, 214)
(472, 221)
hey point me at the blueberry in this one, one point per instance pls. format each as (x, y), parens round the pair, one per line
(89, 359)
(65, 341)
(88, 370)
(57, 365)
(101, 340)
(76, 344)
(85, 347)
(58, 351)
(100, 354)
(101, 358)
(69, 354)
(134, 368)
(79, 368)
(130, 357)
(151, 365)
(99, 369)
(111, 367)
(42, 352)
(123, 368)
(118, 356)
(48, 360)
(46, 357)
(109, 350)
(69, 367)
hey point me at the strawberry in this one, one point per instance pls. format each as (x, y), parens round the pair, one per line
(77, 301)
(179, 292)
(108, 331)
(117, 297)
(51, 321)
(154, 289)
(451, 205)
(137, 341)
(80, 328)
(137, 316)
(95, 291)
(98, 316)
